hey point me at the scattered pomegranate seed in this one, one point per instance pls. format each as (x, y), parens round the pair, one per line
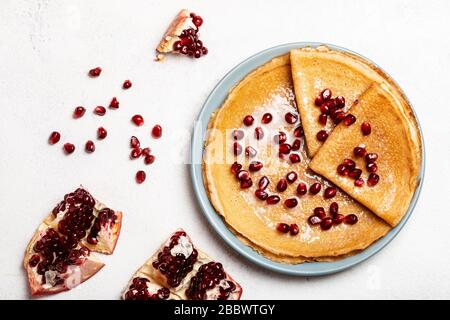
(326, 94)
(69, 148)
(243, 175)
(338, 219)
(79, 112)
(359, 182)
(261, 194)
(371, 157)
(322, 135)
(127, 84)
(197, 21)
(365, 128)
(296, 145)
(54, 137)
(324, 109)
(157, 131)
(350, 219)
(90, 146)
(266, 118)
(263, 183)
(338, 116)
(291, 202)
(290, 118)
(259, 133)
(250, 152)
(245, 184)
(248, 120)
(273, 199)
(295, 158)
(291, 177)
(237, 134)
(285, 148)
(114, 104)
(315, 188)
(134, 142)
(349, 164)
(282, 185)
(339, 102)
(320, 212)
(293, 229)
(135, 153)
(349, 119)
(140, 176)
(313, 220)
(372, 167)
(100, 110)
(137, 120)
(298, 132)
(280, 137)
(359, 151)
(149, 159)
(355, 173)
(342, 170)
(255, 166)
(237, 149)
(95, 72)
(373, 179)
(283, 227)
(334, 208)
(302, 189)
(323, 119)
(235, 167)
(326, 224)
(101, 133)
(329, 192)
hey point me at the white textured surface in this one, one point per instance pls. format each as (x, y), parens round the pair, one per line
(46, 48)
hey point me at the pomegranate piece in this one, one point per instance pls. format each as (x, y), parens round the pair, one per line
(359, 182)
(237, 134)
(291, 118)
(266, 118)
(250, 152)
(291, 202)
(318, 101)
(263, 183)
(366, 128)
(248, 120)
(149, 159)
(349, 164)
(79, 112)
(338, 219)
(280, 138)
(261, 194)
(135, 153)
(237, 149)
(338, 116)
(127, 84)
(294, 157)
(54, 137)
(359, 151)
(326, 224)
(245, 184)
(273, 199)
(235, 167)
(296, 145)
(282, 185)
(137, 120)
(142, 288)
(342, 169)
(355, 173)
(334, 209)
(157, 131)
(302, 189)
(90, 146)
(100, 110)
(372, 167)
(291, 177)
(373, 179)
(243, 175)
(339, 101)
(350, 219)
(259, 133)
(134, 142)
(114, 104)
(298, 132)
(349, 119)
(101, 133)
(69, 148)
(320, 212)
(322, 135)
(283, 227)
(95, 72)
(315, 188)
(285, 148)
(293, 229)
(255, 166)
(326, 94)
(371, 157)
(58, 257)
(323, 119)
(140, 176)
(329, 192)
(325, 109)
(146, 151)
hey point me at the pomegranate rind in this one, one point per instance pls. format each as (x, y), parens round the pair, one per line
(179, 23)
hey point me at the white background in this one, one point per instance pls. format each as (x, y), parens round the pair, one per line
(46, 48)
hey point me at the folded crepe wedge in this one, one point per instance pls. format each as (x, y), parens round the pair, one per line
(394, 138)
(317, 69)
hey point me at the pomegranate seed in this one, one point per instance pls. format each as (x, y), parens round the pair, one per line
(290, 118)
(301, 189)
(248, 120)
(359, 182)
(298, 132)
(322, 135)
(359, 151)
(237, 134)
(323, 119)
(285, 148)
(79, 112)
(140, 176)
(338, 116)
(283, 227)
(177, 46)
(350, 219)
(149, 159)
(157, 131)
(100, 110)
(282, 185)
(69, 148)
(135, 153)
(197, 21)
(243, 175)
(313, 220)
(296, 145)
(342, 170)
(291, 177)
(245, 184)
(255, 166)
(127, 84)
(349, 164)
(318, 101)
(137, 120)
(372, 167)
(261, 194)
(273, 199)
(114, 104)
(237, 149)
(365, 128)
(320, 212)
(295, 158)
(373, 179)
(266, 118)
(197, 53)
(293, 229)
(204, 51)
(291, 202)
(235, 167)
(95, 72)
(326, 94)
(101, 133)
(54, 137)
(134, 142)
(349, 119)
(355, 173)
(326, 224)
(34, 260)
(339, 102)
(90, 146)
(259, 133)
(371, 157)
(334, 208)
(263, 183)
(338, 219)
(315, 188)
(280, 138)
(325, 109)
(250, 152)
(329, 193)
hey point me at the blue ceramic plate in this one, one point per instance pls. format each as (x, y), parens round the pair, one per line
(214, 101)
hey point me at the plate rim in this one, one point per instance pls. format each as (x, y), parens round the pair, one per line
(218, 223)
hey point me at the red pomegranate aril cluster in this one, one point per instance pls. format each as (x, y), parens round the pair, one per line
(138, 290)
(209, 276)
(319, 217)
(189, 43)
(175, 268)
(105, 217)
(100, 110)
